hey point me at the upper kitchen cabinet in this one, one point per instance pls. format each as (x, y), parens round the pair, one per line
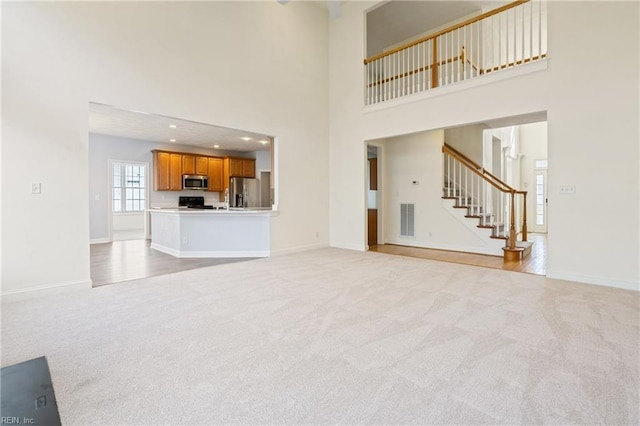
(195, 165)
(202, 166)
(216, 174)
(248, 167)
(240, 167)
(167, 171)
(188, 164)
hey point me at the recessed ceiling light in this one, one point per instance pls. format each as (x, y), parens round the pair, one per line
(173, 126)
(245, 138)
(172, 140)
(216, 146)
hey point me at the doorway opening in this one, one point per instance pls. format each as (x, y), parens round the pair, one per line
(129, 200)
(509, 148)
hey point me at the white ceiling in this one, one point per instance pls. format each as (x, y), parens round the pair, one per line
(109, 120)
(400, 20)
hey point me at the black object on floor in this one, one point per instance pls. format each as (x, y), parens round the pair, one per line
(27, 394)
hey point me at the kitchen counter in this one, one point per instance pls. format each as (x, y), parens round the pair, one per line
(236, 232)
(230, 210)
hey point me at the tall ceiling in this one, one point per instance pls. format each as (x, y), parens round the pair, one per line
(109, 120)
(399, 20)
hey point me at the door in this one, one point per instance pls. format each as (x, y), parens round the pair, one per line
(540, 222)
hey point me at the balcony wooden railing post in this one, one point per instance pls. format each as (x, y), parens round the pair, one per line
(434, 67)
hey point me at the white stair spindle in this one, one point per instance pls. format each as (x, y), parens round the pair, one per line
(466, 187)
(540, 30)
(448, 175)
(415, 59)
(515, 35)
(523, 33)
(460, 179)
(370, 83)
(378, 76)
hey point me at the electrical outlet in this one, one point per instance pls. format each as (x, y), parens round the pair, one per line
(185, 240)
(36, 188)
(41, 402)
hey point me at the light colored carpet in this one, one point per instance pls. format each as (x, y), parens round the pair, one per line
(336, 336)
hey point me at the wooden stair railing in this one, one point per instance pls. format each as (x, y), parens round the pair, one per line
(512, 250)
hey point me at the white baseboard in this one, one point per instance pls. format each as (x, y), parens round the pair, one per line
(349, 246)
(100, 240)
(218, 254)
(45, 290)
(590, 279)
(298, 249)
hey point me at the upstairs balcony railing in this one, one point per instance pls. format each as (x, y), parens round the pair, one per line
(507, 37)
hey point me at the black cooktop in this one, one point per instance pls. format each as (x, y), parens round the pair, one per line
(194, 203)
(191, 202)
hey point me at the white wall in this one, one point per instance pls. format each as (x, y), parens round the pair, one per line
(258, 66)
(263, 161)
(588, 111)
(467, 139)
(128, 221)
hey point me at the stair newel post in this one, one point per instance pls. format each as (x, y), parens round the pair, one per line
(512, 224)
(524, 216)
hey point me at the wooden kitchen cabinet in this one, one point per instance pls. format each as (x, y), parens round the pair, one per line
(167, 171)
(170, 166)
(373, 174)
(176, 172)
(162, 171)
(202, 166)
(215, 170)
(195, 165)
(188, 164)
(248, 168)
(235, 167)
(240, 167)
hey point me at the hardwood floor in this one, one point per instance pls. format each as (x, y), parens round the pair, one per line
(535, 263)
(134, 259)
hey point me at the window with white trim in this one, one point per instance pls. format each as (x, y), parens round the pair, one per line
(128, 187)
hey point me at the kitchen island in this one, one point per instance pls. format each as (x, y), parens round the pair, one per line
(211, 233)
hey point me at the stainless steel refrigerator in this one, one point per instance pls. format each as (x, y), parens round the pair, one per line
(244, 192)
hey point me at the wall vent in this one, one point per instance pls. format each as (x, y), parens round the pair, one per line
(407, 220)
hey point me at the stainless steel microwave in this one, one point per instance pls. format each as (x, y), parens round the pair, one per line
(195, 182)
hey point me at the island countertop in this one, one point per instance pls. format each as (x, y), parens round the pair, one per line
(230, 211)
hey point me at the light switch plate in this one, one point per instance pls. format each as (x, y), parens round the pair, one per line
(567, 189)
(36, 188)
